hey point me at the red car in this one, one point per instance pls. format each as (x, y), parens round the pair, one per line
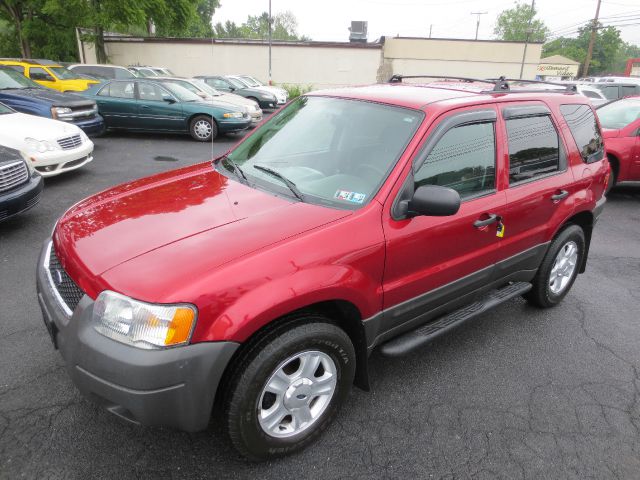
(620, 122)
(257, 285)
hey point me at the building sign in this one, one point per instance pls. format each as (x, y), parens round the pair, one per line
(557, 70)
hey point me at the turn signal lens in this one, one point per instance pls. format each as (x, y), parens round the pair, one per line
(143, 325)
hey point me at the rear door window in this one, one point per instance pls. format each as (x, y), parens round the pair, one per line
(534, 148)
(626, 90)
(464, 159)
(585, 130)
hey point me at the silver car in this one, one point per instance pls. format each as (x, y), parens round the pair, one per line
(210, 94)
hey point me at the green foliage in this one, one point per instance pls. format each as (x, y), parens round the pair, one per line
(609, 50)
(512, 25)
(295, 91)
(46, 28)
(284, 27)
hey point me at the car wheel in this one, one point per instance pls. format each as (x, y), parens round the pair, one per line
(288, 387)
(203, 128)
(613, 178)
(558, 269)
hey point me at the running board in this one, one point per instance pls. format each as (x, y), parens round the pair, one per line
(414, 339)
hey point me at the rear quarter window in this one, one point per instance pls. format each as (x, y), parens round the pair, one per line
(585, 131)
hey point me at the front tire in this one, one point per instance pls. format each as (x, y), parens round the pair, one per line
(558, 269)
(203, 128)
(288, 386)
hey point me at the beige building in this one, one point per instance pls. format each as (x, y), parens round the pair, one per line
(557, 67)
(325, 64)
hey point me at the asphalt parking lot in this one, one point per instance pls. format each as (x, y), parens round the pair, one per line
(519, 393)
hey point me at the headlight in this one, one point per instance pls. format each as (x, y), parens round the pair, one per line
(233, 115)
(39, 146)
(58, 112)
(140, 324)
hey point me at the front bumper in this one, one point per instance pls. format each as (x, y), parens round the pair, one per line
(234, 125)
(56, 162)
(92, 127)
(21, 198)
(175, 387)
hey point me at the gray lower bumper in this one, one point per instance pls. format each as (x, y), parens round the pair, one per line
(174, 387)
(599, 208)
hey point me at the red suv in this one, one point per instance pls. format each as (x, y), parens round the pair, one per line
(256, 286)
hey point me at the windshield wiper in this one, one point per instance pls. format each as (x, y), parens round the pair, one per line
(235, 166)
(292, 186)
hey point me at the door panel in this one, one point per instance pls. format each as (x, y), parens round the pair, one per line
(117, 104)
(540, 184)
(154, 113)
(425, 253)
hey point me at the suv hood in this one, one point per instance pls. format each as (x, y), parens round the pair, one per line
(55, 98)
(217, 218)
(610, 133)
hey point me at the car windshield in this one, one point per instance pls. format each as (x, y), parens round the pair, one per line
(235, 82)
(619, 114)
(204, 86)
(63, 74)
(11, 79)
(252, 82)
(181, 92)
(337, 152)
(4, 109)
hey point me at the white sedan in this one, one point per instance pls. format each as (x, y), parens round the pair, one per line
(50, 146)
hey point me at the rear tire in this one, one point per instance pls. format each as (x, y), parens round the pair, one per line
(558, 269)
(288, 386)
(203, 128)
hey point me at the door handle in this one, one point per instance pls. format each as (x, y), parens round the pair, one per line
(483, 223)
(145, 107)
(559, 196)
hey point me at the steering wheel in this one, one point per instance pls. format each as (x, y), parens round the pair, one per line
(308, 173)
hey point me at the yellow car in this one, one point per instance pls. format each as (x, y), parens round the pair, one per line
(50, 74)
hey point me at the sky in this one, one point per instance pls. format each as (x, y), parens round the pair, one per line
(328, 20)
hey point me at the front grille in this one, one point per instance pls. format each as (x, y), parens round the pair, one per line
(12, 175)
(68, 293)
(68, 143)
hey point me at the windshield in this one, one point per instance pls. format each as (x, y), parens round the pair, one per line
(619, 114)
(4, 109)
(235, 82)
(181, 92)
(11, 79)
(337, 152)
(252, 82)
(205, 87)
(63, 74)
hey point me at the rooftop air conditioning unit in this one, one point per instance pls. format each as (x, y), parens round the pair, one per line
(358, 32)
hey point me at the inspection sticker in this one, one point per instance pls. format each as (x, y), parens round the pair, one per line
(353, 197)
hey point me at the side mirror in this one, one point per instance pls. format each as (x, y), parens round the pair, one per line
(433, 201)
(168, 99)
(202, 94)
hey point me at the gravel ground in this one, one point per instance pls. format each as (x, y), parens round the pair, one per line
(519, 393)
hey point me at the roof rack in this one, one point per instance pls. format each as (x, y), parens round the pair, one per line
(500, 84)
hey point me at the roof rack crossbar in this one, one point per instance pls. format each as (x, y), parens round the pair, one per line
(500, 84)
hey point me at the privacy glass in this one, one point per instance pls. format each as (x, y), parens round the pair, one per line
(534, 148)
(584, 128)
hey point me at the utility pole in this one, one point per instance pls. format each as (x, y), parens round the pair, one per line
(526, 41)
(430, 28)
(270, 21)
(478, 23)
(592, 39)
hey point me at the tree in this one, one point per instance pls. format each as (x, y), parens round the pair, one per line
(512, 25)
(18, 12)
(284, 27)
(607, 48)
